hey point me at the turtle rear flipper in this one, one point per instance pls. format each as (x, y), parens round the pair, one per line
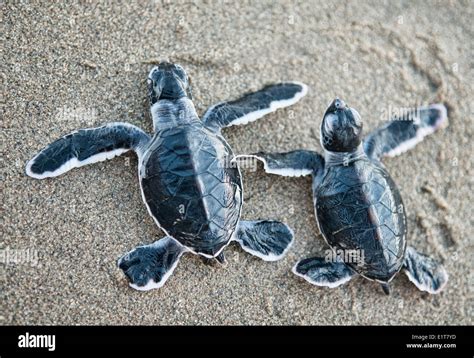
(86, 146)
(148, 267)
(294, 164)
(319, 272)
(403, 133)
(426, 273)
(254, 105)
(267, 239)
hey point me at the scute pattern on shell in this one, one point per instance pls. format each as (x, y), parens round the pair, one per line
(192, 188)
(359, 208)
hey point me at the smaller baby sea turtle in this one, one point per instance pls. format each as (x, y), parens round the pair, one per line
(358, 207)
(189, 180)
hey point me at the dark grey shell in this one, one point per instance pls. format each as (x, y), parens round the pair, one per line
(191, 187)
(359, 208)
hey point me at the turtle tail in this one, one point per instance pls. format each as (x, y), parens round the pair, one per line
(386, 288)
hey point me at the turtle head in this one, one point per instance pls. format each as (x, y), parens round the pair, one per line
(341, 129)
(168, 81)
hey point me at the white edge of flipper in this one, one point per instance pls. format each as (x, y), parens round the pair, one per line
(274, 105)
(74, 162)
(283, 172)
(271, 257)
(422, 132)
(427, 289)
(326, 284)
(151, 284)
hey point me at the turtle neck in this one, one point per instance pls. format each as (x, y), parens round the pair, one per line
(168, 114)
(343, 158)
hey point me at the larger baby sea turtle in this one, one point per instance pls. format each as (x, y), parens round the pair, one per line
(358, 207)
(188, 177)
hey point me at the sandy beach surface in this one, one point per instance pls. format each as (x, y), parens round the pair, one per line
(74, 66)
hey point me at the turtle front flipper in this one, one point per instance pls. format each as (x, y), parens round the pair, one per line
(426, 273)
(148, 267)
(254, 105)
(86, 146)
(267, 239)
(404, 132)
(320, 272)
(294, 164)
